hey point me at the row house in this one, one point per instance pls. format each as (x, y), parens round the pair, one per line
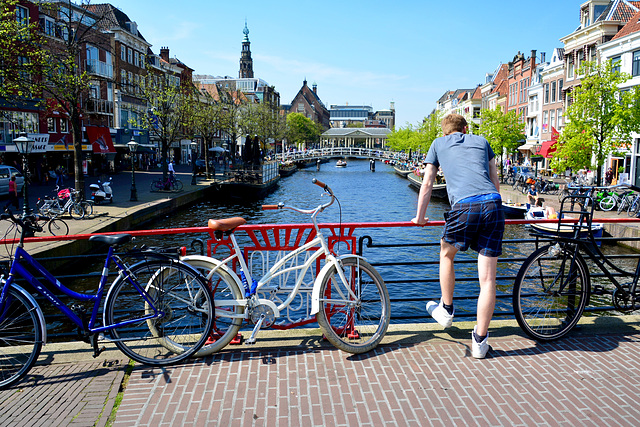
(493, 92)
(624, 52)
(466, 102)
(595, 40)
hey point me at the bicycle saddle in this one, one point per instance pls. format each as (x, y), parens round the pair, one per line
(226, 223)
(111, 240)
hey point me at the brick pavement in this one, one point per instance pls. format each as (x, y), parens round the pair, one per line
(587, 379)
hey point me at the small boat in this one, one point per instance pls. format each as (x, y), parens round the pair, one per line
(287, 169)
(402, 171)
(439, 191)
(341, 163)
(565, 230)
(514, 210)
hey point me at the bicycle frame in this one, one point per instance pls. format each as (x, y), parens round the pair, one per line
(17, 268)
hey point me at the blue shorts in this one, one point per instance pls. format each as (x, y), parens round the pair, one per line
(479, 225)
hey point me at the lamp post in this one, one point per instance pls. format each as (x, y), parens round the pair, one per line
(193, 162)
(133, 147)
(24, 145)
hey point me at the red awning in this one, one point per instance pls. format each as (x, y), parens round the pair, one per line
(548, 148)
(100, 139)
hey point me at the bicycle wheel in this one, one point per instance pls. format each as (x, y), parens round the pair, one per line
(633, 209)
(550, 292)
(58, 227)
(354, 319)
(87, 207)
(224, 288)
(76, 211)
(608, 203)
(176, 185)
(622, 205)
(20, 337)
(510, 180)
(184, 307)
(156, 185)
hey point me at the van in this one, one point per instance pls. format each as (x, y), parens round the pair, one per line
(6, 172)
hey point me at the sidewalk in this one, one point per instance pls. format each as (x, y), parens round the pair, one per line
(421, 375)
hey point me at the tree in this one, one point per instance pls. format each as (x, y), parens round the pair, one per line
(169, 107)
(262, 120)
(205, 118)
(302, 130)
(503, 131)
(599, 119)
(417, 138)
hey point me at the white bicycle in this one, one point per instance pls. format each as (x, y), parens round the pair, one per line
(349, 299)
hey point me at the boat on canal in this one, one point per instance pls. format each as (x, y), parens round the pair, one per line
(287, 169)
(514, 210)
(558, 229)
(402, 171)
(439, 191)
(251, 182)
(342, 163)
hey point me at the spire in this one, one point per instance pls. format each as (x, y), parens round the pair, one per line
(245, 32)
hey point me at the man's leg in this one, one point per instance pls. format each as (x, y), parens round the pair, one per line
(487, 267)
(447, 271)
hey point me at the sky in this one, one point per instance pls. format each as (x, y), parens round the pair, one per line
(358, 53)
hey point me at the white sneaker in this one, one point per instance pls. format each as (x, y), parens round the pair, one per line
(479, 349)
(438, 312)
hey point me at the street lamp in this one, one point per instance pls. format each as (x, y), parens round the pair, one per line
(24, 145)
(133, 147)
(193, 162)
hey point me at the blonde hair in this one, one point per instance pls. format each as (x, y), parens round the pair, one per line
(453, 123)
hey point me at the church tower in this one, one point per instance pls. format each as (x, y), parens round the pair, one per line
(246, 63)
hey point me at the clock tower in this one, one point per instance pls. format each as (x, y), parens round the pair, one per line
(246, 63)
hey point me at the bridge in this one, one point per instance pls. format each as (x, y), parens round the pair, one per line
(335, 152)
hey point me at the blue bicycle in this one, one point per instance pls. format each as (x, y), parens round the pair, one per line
(157, 311)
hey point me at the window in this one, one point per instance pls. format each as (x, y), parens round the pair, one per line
(129, 56)
(559, 117)
(51, 125)
(552, 119)
(570, 69)
(136, 59)
(546, 93)
(616, 61)
(123, 80)
(22, 16)
(579, 62)
(123, 53)
(124, 119)
(553, 91)
(64, 126)
(48, 27)
(635, 67)
(560, 82)
(545, 121)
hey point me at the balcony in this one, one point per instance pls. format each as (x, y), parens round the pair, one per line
(99, 106)
(98, 68)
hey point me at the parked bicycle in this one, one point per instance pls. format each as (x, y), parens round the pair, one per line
(65, 201)
(171, 183)
(157, 311)
(56, 226)
(349, 298)
(553, 286)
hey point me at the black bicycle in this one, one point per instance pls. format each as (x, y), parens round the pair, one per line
(553, 286)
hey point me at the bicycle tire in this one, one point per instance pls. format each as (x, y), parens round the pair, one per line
(354, 326)
(178, 291)
(176, 185)
(607, 203)
(633, 208)
(543, 311)
(157, 185)
(20, 337)
(87, 207)
(510, 180)
(223, 288)
(622, 205)
(57, 227)
(76, 211)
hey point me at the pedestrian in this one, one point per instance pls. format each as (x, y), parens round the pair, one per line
(13, 194)
(59, 180)
(532, 195)
(608, 177)
(476, 220)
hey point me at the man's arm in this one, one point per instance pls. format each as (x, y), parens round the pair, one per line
(493, 173)
(425, 194)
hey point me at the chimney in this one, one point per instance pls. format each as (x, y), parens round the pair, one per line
(543, 56)
(164, 53)
(315, 88)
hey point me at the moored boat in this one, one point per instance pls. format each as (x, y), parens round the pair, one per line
(287, 169)
(514, 210)
(559, 229)
(401, 171)
(439, 191)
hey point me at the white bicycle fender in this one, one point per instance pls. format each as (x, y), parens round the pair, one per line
(32, 300)
(216, 263)
(315, 296)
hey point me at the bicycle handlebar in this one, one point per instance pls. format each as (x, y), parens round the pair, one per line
(312, 212)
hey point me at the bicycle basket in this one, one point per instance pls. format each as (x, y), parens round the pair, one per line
(63, 194)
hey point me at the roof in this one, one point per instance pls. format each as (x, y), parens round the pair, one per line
(619, 10)
(113, 17)
(374, 132)
(631, 27)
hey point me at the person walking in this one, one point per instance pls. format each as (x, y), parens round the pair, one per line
(476, 220)
(13, 194)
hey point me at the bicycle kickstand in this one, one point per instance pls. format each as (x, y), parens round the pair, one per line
(252, 338)
(93, 338)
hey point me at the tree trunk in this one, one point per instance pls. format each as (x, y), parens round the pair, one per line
(76, 126)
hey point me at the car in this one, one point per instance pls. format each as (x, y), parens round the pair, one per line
(200, 166)
(6, 172)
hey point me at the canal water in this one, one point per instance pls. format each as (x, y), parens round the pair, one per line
(365, 196)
